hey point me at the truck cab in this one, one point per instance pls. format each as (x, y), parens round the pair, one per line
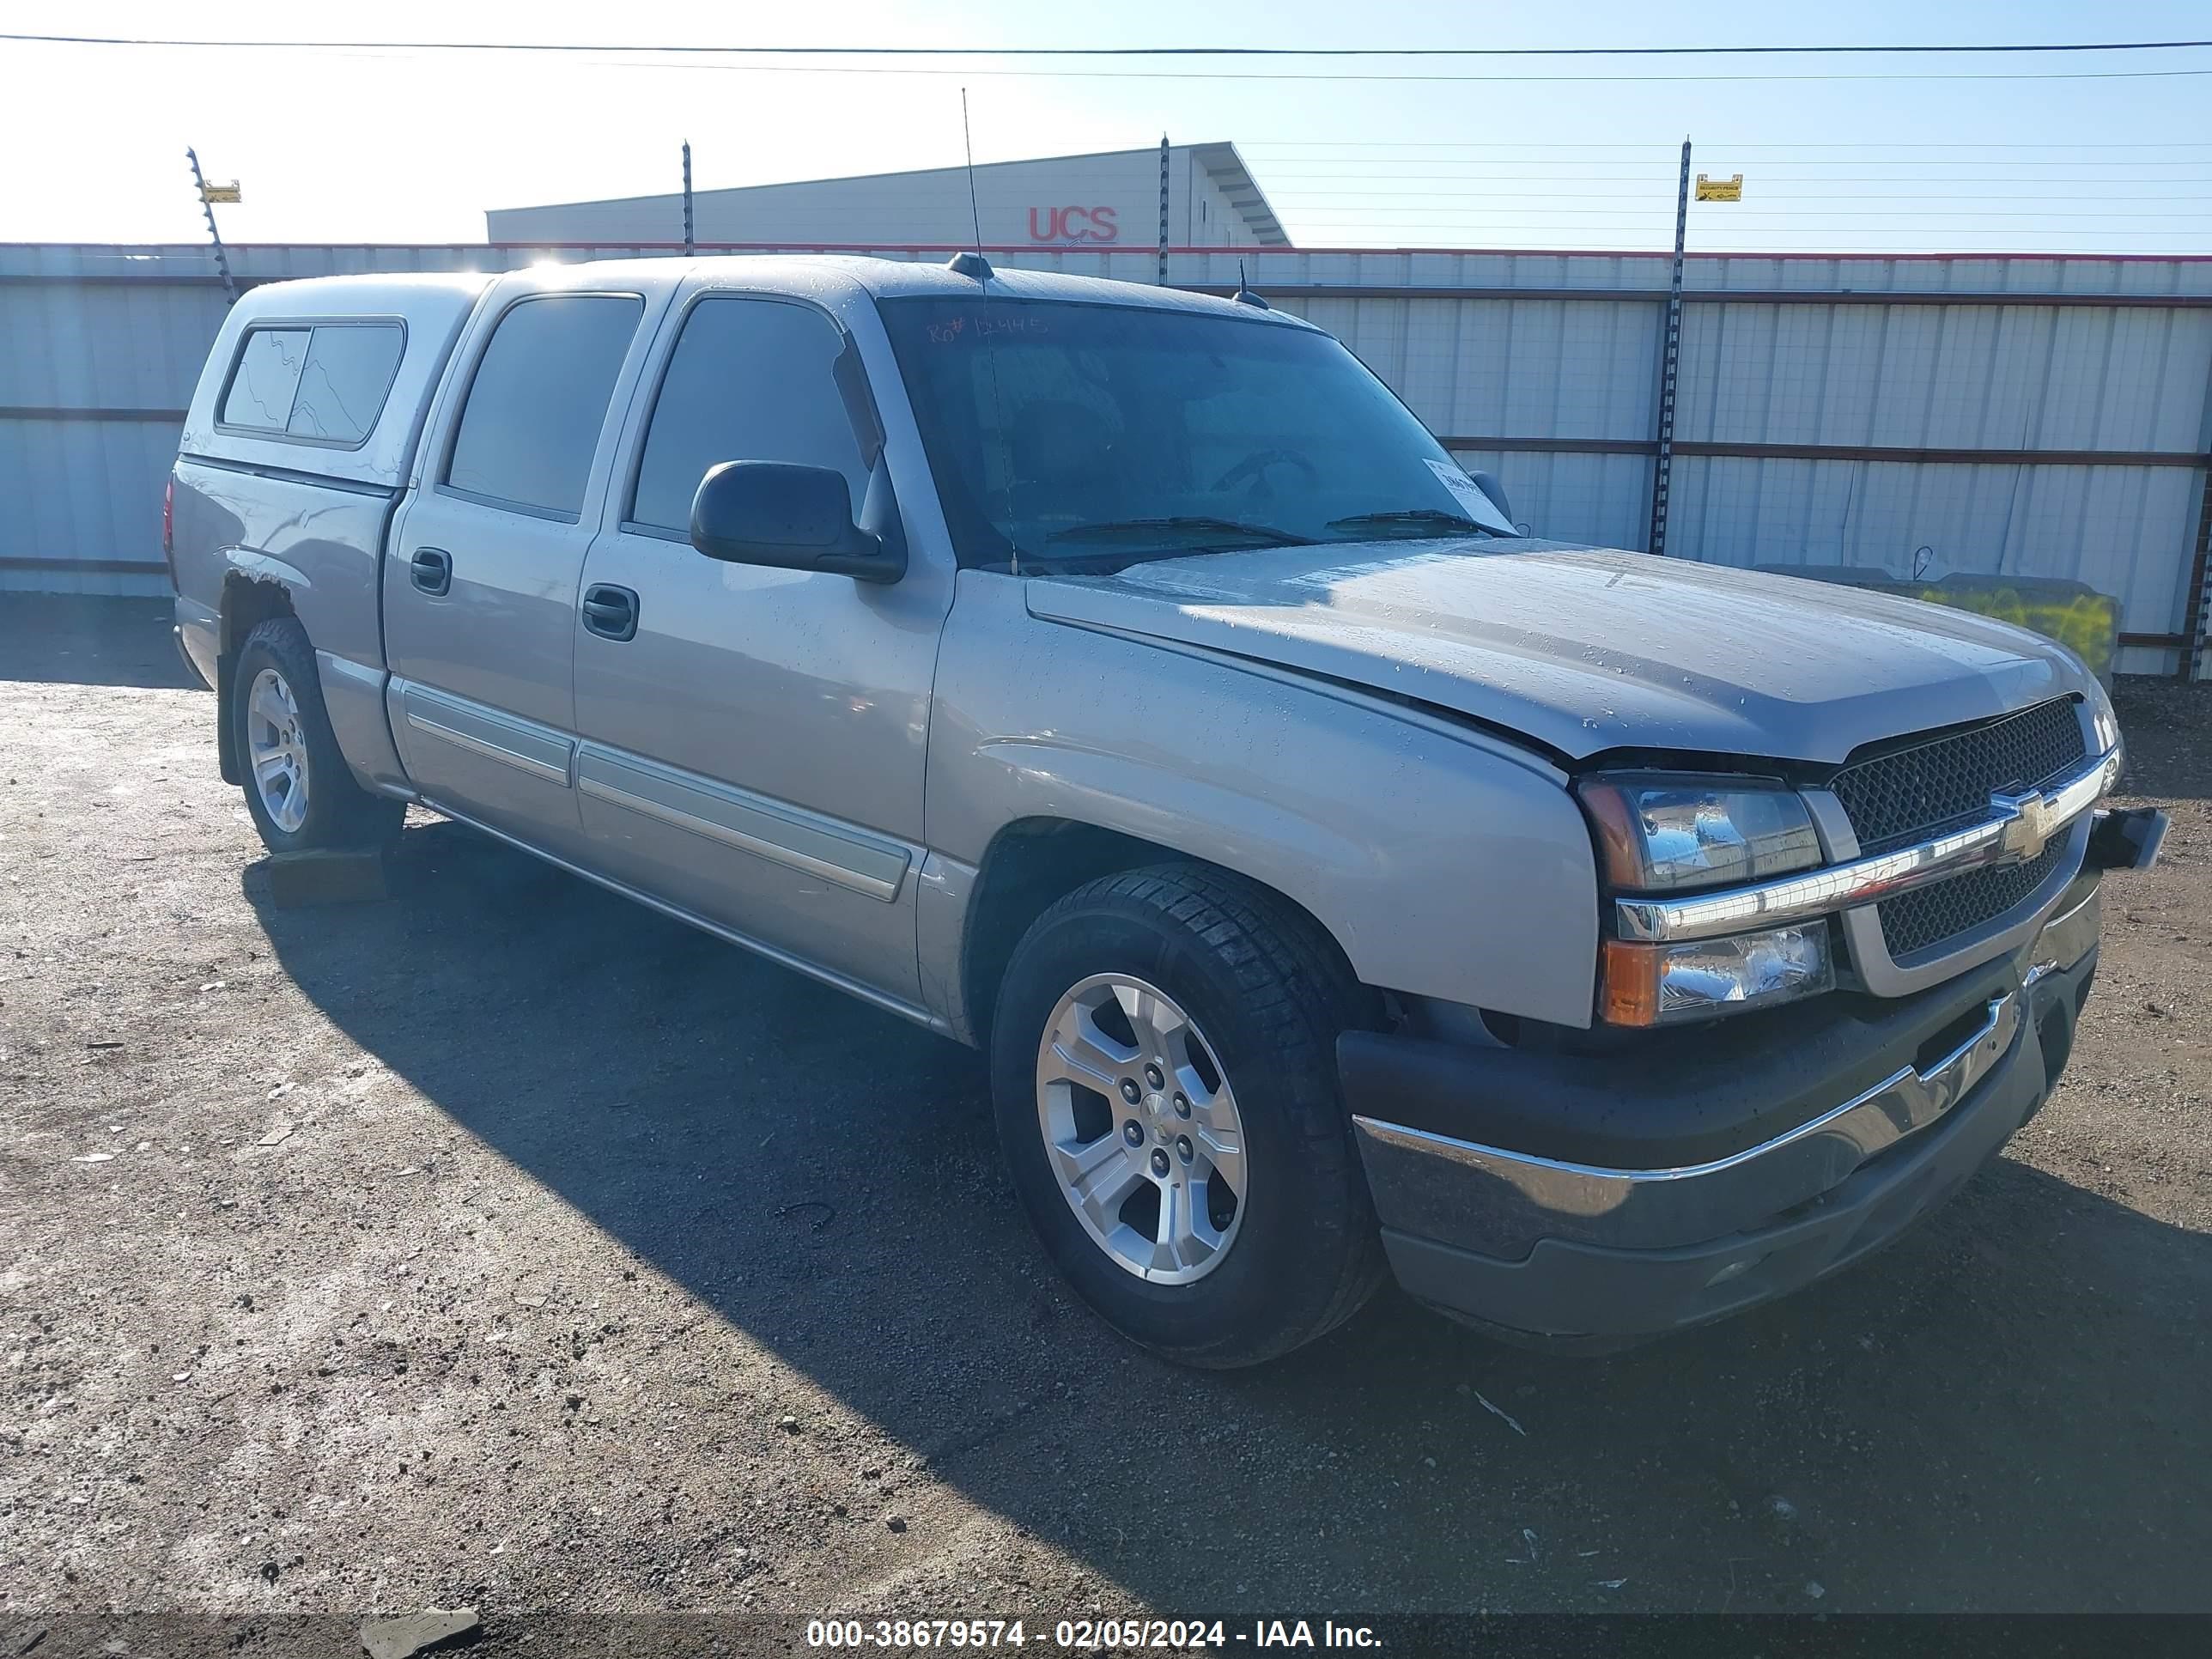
(1340, 881)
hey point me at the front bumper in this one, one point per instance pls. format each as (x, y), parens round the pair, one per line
(1591, 1204)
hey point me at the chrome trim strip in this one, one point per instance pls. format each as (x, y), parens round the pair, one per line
(2000, 935)
(489, 750)
(751, 823)
(782, 958)
(493, 736)
(1515, 1199)
(1999, 839)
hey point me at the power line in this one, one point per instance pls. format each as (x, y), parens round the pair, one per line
(1852, 49)
(1514, 79)
(629, 56)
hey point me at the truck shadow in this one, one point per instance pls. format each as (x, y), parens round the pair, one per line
(2004, 1411)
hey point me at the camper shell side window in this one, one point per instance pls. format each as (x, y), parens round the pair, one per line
(312, 381)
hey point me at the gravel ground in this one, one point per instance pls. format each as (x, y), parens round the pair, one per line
(505, 1244)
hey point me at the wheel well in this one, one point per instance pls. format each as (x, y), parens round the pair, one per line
(1030, 866)
(246, 603)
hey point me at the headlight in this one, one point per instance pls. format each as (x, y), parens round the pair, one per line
(1667, 833)
(2102, 721)
(1662, 832)
(1662, 984)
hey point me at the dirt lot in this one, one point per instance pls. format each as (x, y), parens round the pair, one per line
(503, 1243)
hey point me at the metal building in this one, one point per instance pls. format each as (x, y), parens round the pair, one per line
(1111, 199)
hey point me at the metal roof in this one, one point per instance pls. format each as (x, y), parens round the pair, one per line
(1220, 160)
(1235, 181)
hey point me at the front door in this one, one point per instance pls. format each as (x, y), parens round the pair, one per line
(753, 740)
(480, 583)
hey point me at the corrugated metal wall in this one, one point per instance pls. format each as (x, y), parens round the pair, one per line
(2016, 415)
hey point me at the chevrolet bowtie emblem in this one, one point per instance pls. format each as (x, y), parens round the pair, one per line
(2029, 822)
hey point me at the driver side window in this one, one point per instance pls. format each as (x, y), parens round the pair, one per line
(749, 380)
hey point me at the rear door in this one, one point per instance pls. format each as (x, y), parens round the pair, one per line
(480, 579)
(753, 743)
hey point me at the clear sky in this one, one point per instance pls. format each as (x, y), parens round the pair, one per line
(389, 146)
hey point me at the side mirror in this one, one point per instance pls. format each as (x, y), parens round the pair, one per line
(792, 518)
(1487, 482)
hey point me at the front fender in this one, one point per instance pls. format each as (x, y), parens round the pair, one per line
(1446, 863)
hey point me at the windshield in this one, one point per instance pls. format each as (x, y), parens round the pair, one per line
(1087, 436)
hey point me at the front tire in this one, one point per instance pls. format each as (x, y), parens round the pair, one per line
(1163, 1076)
(300, 791)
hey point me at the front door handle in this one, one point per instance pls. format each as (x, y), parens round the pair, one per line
(611, 611)
(431, 569)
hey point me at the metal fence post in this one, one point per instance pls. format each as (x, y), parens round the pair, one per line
(2198, 618)
(221, 258)
(1670, 360)
(688, 248)
(1163, 210)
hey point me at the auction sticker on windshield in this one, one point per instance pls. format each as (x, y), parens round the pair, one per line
(1469, 494)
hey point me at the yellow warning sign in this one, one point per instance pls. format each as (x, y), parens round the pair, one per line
(230, 192)
(1720, 189)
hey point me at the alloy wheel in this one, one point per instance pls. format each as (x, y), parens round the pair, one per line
(1141, 1129)
(276, 751)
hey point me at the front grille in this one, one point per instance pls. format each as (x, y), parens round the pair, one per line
(1930, 789)
(1913, 922)
(1912, 794)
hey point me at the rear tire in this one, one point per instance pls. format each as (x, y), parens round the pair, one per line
(300, 791)
(1206, 1197)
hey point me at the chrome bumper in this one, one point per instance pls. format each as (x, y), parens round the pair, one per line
(1652, 1209)
(1584, 1253)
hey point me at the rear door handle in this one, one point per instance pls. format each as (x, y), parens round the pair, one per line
(611, 611)
(431, 569)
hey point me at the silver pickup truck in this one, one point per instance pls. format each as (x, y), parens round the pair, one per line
(1123, 682)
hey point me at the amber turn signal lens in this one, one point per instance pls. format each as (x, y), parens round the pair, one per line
(1629, 990)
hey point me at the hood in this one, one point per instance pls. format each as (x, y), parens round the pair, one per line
(1585, 650)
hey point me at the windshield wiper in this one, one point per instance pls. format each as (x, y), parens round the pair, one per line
(1181, 525)
(1422, 519)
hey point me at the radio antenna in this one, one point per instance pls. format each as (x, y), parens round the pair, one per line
(975, 266)
(968, 143)
(971, 265)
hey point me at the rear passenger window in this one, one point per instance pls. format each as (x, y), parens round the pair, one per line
(326, 384)
(539, 400)
(749, 380)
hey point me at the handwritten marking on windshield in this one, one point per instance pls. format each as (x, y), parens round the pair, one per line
(955, 330)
